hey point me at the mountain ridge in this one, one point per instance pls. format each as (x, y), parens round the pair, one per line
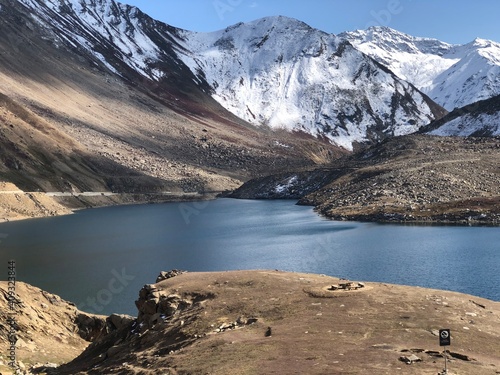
(160, 52)
(255, 64)
(156, 108)
(480, 119)
(141, 135)
(264, 78)
(453, 75)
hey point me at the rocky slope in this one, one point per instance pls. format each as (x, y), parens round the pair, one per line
(452, 75)
(247, 322)
(49, 330)
(17, 204)
(36, 156)
(74, 121)
(413, 178)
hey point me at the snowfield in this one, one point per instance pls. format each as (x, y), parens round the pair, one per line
(281, 73)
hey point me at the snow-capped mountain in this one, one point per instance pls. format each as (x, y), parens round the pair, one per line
(275, 72)
(481, 118)
(119, 36)
(280, 72)
(451, 75)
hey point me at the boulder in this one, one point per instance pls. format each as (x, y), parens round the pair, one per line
(119, 321)
(90, 327)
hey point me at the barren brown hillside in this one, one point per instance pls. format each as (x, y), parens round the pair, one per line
(49, 330)
(272, 322)
(70, 123)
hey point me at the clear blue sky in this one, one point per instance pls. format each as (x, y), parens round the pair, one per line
(452, 21)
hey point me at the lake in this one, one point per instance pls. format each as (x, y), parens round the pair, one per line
(100, 258)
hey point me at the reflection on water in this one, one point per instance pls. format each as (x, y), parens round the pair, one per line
(106, 255)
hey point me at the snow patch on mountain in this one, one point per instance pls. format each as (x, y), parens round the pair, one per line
(276, 71)
(479, 119)
(475, 77)
(471, 125)
(100, 22)
(417, 60)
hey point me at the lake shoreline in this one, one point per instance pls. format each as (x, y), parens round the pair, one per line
(456, 219)
(59, 204)
(226, 234)
(45, 205)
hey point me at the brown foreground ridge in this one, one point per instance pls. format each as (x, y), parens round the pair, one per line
(48, 330)
(270, 322)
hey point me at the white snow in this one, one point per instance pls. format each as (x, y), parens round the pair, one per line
(281, 188)
(451, 75)
(102, 18)
(468, 125)
(281, 73)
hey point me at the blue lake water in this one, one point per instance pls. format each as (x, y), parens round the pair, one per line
(100, 258)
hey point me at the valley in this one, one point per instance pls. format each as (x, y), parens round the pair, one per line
(102, 105)
(163, 119)
(69, 124)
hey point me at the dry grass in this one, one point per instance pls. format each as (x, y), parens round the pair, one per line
(46, 328)
(313, 330)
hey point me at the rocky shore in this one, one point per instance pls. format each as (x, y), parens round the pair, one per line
(411, 179)
(16, 204)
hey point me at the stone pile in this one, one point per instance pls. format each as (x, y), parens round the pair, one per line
(164, 275)
(347, 285)
(156, 304)
(239, 323)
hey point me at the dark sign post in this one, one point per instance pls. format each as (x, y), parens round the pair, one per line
(445, 340)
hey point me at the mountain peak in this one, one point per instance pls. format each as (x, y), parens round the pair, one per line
(395, 40)
(281, 20)
(480, 42)
(452, 75)
(282, 73)
(282, 23)
(277, 24)
(384, 30)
